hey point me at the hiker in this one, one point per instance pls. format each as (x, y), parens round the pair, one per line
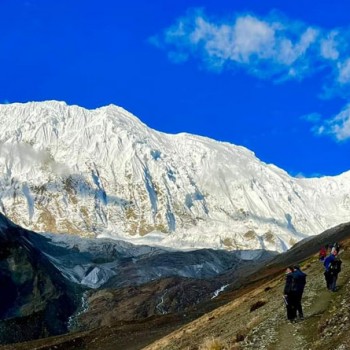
(336, 247)
(298, 286)
(332, 266)
(323, 253)
(289, 295)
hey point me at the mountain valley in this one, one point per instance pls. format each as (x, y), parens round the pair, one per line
(116, 236)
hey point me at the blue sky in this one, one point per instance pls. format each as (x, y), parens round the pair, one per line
(273, 76)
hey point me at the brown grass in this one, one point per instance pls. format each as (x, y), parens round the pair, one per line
(213, 344)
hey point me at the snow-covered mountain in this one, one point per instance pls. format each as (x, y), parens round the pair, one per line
(103, 173)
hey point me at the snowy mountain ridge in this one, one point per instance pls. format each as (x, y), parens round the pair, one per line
(104, 173)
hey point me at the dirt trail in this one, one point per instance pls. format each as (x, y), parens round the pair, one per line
(316, 301)
(266, 327)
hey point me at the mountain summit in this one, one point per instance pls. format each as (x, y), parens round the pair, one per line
(102, 172)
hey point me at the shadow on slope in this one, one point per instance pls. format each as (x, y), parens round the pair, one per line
(36, 300)
(137, 334)
(41, 290)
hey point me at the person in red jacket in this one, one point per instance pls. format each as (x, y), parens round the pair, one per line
(323, 253)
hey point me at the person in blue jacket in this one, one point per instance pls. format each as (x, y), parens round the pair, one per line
(332, 266)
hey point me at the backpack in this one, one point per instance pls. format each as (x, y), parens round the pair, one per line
(298, 281)
(335, 266)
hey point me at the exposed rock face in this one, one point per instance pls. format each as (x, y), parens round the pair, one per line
(249, 317)
(55, 283)
(35, 299)
(161, 297)
(102, 172)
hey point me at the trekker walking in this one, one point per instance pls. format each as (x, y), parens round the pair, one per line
(323, 253)
(298, 286)
(336, 246)
(289, 295)
(332, 265)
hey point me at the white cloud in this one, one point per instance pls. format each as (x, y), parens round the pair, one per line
(27, 154)
(328, 46)
(271, 47)
(344, 71)
(251, 38)
(338, 126)
(246, 40)
(288, 53)
(265, 47)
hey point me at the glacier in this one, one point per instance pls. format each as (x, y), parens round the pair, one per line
(103, 173)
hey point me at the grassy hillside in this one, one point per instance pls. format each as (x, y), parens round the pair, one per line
(256, 318)
(251, 315)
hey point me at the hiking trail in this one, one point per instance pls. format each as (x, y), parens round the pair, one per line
(276, 332)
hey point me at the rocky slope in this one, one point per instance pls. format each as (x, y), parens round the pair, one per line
(102, 172)
(256, 318)
(36, 300)
(55, 283)
(248, 315)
